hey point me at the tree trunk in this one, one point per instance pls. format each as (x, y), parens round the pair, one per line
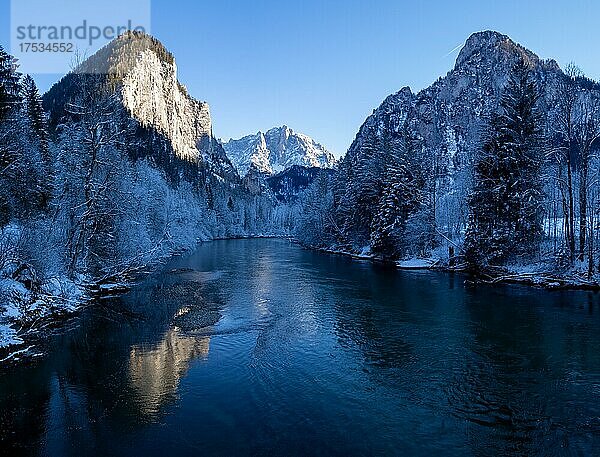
(571, 218)
(583, 212)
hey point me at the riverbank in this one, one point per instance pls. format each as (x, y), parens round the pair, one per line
(28, 316)
(27, 312)
(309, 345)
(532, 275)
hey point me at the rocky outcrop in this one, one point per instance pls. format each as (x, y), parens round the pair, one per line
(143, 73)
(155, 98)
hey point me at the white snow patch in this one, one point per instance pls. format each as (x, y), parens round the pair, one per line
(8, 336)
(416, 264)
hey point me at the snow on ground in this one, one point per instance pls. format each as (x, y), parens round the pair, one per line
(416, 264)
(23, 312)
(8, 336)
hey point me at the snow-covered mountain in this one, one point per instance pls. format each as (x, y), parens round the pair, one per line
(446, 117)
(277, 150)
(443, 128)
(143, 73)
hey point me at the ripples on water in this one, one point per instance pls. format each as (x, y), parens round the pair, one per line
(257, 347)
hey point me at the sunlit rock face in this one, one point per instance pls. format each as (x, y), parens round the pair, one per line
(147, 76)
(154, 97)
(155, 372)
(140, 70)
(276, 150)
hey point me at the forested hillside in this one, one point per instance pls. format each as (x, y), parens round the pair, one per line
(118, 172)
(493, 168)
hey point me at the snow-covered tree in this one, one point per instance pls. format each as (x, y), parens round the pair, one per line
(9, 84)
(403, 185)
(506, 202)
(315, 222)
(32, 104)
(360, 188)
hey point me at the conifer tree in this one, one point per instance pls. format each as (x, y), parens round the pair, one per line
(400, 196)
(362, 191)
(9, 84)
(505, 204)
(35, 112)
(210, 198)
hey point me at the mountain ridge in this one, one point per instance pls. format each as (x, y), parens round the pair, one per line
(276, 150)
(443, 128)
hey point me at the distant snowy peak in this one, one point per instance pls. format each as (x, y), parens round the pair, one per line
(277, 150)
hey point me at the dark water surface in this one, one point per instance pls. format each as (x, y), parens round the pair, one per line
(257, 347)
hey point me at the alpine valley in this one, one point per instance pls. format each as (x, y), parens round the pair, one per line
(492, 169)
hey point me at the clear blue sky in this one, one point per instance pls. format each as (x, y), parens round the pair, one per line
(322, 66)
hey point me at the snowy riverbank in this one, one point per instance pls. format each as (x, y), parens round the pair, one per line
(30, 304)
(536, 275)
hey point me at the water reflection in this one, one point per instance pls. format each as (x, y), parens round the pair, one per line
(309, 354)
(155, 372)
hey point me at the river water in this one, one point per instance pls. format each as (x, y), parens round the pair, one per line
(258, 347)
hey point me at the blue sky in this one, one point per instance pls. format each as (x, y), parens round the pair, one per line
(322, 66)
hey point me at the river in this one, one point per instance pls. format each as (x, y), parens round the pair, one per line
(258, 347)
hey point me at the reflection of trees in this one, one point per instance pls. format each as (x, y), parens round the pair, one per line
(487, 390)
(516, 367)
(155, 372)
(23, 406)
(373, 333)
(497, 371)
(370, 319)
(514, 388)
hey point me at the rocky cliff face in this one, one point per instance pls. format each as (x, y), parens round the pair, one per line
(277, 150)
(447, 117)
(445, 125)
(155, 98)
(144, 75)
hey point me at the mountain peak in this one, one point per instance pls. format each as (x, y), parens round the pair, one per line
(486, 36)
(280, 135)
(276, 150)
(143, 73)
(282, 130)
(492, 45)
(119, 56)
(403, 95)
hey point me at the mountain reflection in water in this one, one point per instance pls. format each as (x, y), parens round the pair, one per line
(258, 347)
(155, 371)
